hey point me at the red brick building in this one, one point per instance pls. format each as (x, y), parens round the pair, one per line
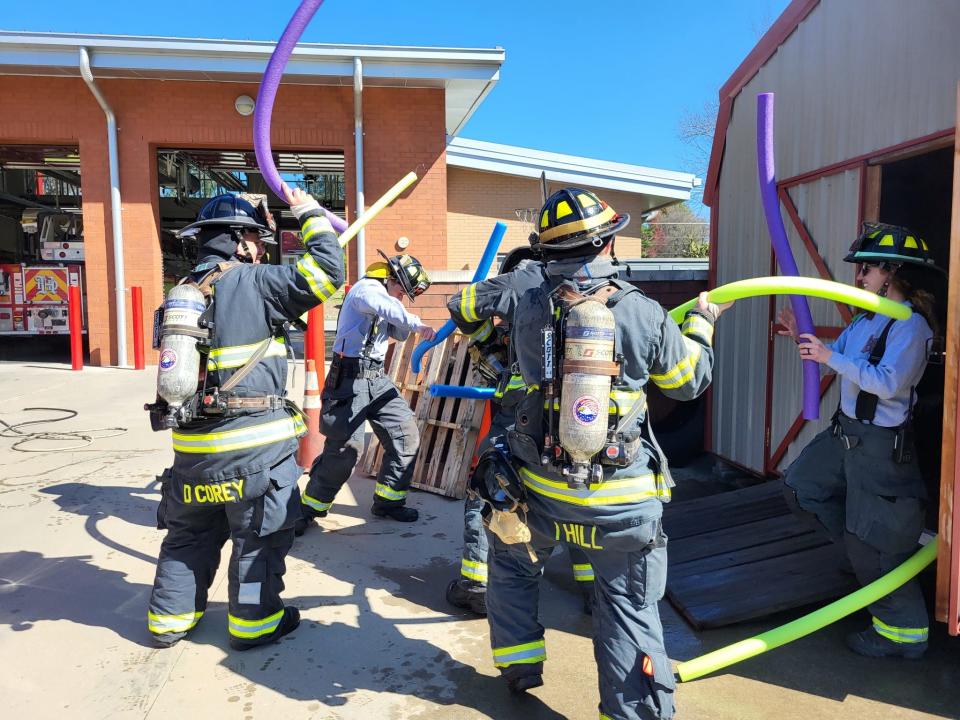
(184, 133)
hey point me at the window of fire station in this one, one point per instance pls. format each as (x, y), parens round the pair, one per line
(41, 245)
(187, 179)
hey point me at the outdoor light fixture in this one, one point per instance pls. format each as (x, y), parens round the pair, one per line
(244, 105)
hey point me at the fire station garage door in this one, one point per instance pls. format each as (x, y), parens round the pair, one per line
(41, 249)
(188, 178)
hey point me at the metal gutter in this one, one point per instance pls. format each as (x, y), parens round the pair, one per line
(116, 221)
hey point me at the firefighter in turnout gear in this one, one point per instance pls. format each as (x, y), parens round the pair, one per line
(489, 299)
(860, 478)
(234, 475)
(603, 494)
(357, 391)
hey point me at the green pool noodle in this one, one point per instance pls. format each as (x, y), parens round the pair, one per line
(732, 654)
(814, 287)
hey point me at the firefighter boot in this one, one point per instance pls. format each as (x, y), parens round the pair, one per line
(468, 595)
(309, 515)
(523, 677)
(289, 623)
(395, 511)
(871, 644)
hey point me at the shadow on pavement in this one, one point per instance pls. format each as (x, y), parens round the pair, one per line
(821, 664)
(34, 588)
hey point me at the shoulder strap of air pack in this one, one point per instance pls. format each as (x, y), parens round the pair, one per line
(614, 291)
(205, 285)
(866, 407)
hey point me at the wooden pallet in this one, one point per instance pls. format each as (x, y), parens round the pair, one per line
(741, 555)
(448, 426)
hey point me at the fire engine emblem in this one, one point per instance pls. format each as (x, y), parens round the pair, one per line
(586, 409)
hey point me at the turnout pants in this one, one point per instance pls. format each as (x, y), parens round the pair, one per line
(476, 547)
(198, 523)
(346, 406)
(473, 564)
(847, 478)
(630, 566)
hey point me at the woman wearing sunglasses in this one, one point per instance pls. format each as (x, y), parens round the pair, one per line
(860, 478)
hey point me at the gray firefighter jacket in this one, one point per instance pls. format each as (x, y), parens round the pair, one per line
(677, 359)
(250, 304)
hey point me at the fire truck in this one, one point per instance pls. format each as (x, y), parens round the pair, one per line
(34, 295)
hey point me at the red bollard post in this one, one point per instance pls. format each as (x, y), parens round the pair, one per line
(136, 301)
(75, 318)
(314, 342)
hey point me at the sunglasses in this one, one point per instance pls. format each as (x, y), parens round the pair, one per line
(865, 268)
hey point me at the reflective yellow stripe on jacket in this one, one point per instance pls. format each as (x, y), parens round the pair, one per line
(482, 332)
(468, 304)
(235, 356)
(316, 278)
(684, 371)
(620, 491)
(699, 326)
(624, 401)
(240, 439)
(515, 383)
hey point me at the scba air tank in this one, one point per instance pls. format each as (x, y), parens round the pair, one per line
(178, 374)
(588, 346)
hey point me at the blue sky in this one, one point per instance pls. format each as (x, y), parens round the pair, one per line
(609, 79)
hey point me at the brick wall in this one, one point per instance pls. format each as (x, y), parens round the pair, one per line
(404, 130)
(476, 200)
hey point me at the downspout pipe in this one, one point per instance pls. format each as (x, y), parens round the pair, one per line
(358, 146)
(116, 222)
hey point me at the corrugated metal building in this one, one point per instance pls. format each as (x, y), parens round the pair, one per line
(866, 106)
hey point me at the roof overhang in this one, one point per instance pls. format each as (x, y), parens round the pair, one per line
(466, 74)
(662, 186)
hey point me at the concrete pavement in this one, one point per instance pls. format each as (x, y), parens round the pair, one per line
(77, 550)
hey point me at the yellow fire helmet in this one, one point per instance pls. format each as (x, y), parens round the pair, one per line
(405, 269)
(573, 217)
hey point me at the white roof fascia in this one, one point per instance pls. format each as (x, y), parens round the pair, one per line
(568, 169)
(467, 74)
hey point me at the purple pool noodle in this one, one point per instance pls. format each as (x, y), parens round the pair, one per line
(263, 110)
(781, 246)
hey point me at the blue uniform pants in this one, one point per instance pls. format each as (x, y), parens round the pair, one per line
(848, 480)
(630, 566)
(198, 524)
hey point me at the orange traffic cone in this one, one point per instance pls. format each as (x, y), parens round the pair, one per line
(310, 444)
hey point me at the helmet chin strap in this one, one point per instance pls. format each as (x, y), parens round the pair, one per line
(241, 243)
